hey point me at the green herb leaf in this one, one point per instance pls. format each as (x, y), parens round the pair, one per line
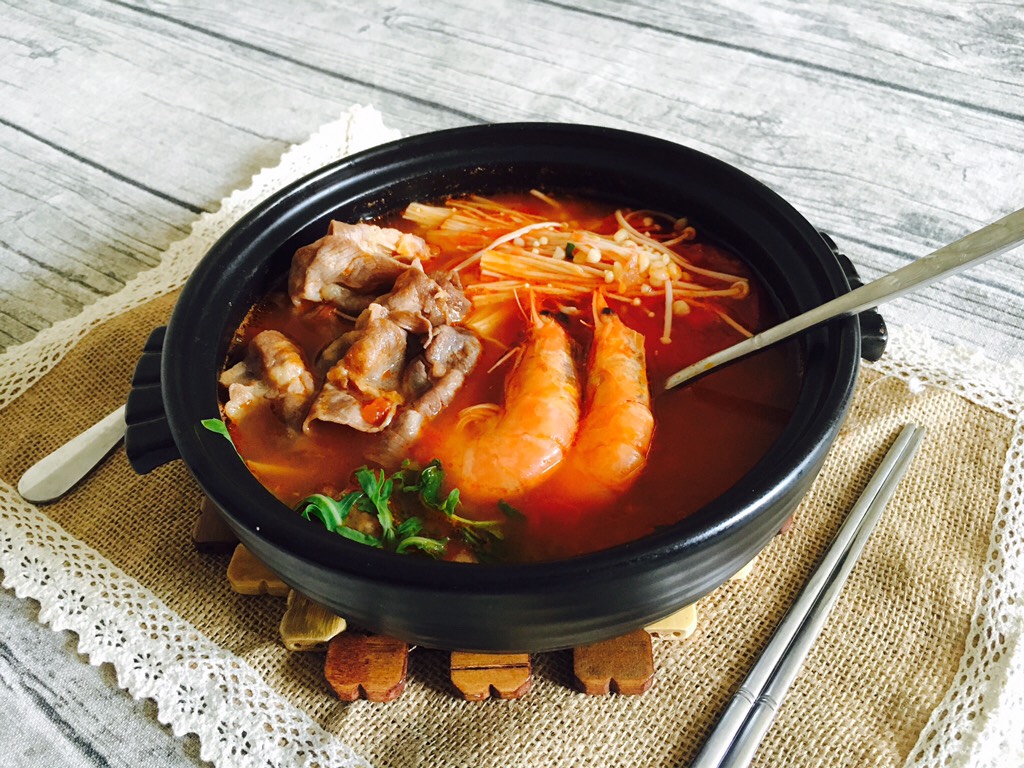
(218, 426)
(434, 547)
(401, 480)
(326, 510)
(474, 539)
(349, 500)
(450, 503)
(485, 546)
(429, 486)
(377, 488)
(509, 511)
(375, 498)
(410, 527)
(431, 481)
(490, 527)
(360, 537)
(570, 249)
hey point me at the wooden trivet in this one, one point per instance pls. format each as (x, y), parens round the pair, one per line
(375, 667)
(621, 665)
(307, 626)
(479, 676)
(249, 576)
(210, 533)
(371, 667)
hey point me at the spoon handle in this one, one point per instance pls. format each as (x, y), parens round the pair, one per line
(991, 240)
(52, 476)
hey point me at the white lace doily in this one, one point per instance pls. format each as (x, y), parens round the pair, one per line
(979, 720)
(240, 721)
(198, 687)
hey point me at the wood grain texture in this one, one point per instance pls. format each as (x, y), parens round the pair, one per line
(853, 119)
(70, 233)
(896, 127)
(249, 576)
(623, 665)
(185, 111)
(940, 50)
(371, 667)
(480, 676)
(57, 710)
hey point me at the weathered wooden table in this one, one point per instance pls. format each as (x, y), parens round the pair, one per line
(895, 127)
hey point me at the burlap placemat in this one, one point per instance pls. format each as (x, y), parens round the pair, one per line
(921, 628)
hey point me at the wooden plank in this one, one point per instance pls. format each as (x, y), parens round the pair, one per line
(943, 49)
(308, 626)
(481, 58)
(680, 624)
(249, 576)
(64, 243)
(210, 533)
(806, 138)
(180, 111)
(108, 113)
(193, 82)
(56, 710)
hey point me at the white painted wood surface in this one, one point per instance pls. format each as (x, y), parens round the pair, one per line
(895, 126)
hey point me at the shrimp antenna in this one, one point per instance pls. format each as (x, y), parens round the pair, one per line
(532, 314)
(512, 352)
(599, 304)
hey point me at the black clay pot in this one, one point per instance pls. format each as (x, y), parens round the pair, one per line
(530, 607)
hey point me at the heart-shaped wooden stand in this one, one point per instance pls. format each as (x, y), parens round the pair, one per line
(374, 667)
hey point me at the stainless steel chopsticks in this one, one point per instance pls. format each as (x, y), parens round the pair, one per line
(751, 711)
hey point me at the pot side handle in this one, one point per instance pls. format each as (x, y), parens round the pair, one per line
(873, 333)
(148, 441)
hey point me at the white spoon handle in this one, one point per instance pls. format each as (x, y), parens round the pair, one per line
(998, 237)
(54, 475)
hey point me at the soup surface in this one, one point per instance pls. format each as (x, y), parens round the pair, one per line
(561, 319)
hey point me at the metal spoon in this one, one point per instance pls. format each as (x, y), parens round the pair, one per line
(991, 240)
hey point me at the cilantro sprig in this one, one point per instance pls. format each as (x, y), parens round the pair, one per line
(388, 499)
(333, 513)
(429, 487)
(376, 499)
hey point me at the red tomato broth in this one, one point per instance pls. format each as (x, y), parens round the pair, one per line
(707, 435)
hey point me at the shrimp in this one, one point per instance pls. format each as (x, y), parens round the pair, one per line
(615, 433)
(500, 452)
